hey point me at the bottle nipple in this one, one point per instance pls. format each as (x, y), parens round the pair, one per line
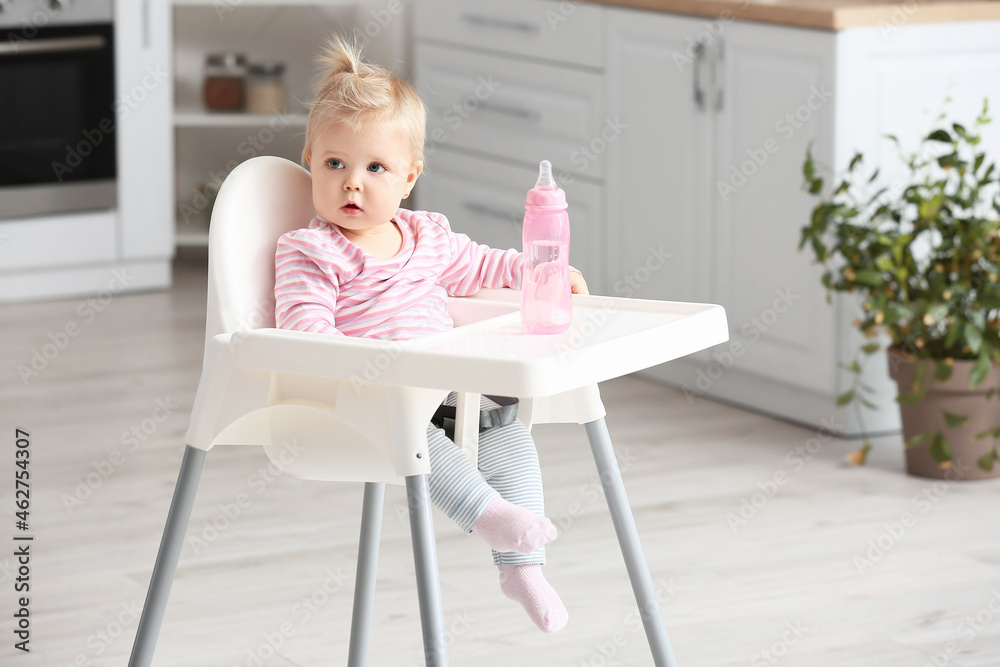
(546, 194)
(545, 179)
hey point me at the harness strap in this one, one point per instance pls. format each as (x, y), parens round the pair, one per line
(504, 414)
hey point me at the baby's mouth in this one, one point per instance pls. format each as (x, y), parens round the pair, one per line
(351, 206)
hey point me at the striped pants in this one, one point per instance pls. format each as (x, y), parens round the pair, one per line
(508, 467)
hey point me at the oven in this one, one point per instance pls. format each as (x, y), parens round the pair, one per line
(57, 120)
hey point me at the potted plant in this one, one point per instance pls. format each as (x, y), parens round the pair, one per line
(923, 258)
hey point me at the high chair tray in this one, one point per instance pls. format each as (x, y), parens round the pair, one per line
(489, 352)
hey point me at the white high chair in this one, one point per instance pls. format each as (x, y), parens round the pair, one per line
(357, 409)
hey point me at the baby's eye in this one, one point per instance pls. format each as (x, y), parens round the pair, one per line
(376, 168)
(334, 164)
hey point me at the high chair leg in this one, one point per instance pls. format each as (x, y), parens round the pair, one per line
(167, 557)
(364, 587)
(628, 538)
(425, 559)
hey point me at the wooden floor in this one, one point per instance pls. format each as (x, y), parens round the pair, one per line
(765, 547)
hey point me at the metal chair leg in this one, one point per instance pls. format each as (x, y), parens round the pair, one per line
(167, 557)
(628, 538)
(364, 587)
(428, 583)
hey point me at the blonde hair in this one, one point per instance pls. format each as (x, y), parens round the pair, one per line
(363, 96)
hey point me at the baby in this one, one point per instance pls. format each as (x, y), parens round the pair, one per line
(365, 267)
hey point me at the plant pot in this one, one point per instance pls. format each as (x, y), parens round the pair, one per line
(927, 416)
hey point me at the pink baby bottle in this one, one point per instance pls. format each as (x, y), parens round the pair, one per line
(545, 290)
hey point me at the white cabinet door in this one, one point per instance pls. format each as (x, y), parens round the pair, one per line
(777, 97)
(659, 238)
(145, 148)
(707, 171)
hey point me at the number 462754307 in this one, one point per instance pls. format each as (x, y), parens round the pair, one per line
(22, 486)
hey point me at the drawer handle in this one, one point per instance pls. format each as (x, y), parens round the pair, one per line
(516, 112)
(718, 75)
(699, 92)
(505, 24)
(483, 209)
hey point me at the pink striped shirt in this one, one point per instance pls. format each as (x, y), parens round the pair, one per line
(325, 283)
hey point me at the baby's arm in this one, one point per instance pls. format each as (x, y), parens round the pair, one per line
(305, 296)
(488, 267)
(475, 266)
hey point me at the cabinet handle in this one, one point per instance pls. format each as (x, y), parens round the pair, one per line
(145, 24)
(505, 24)
(718, 74)
(516, 112)
(699, 92)
(483, 209)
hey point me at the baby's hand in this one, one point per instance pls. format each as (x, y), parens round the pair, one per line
(577, 285)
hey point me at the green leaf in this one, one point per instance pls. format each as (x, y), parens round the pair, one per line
(910, 399)
(846, 397)
(953, 420)
(941, 449)
(855, 161)
(991, 432)
(871, 348)
(960, 130)
(868, 404)
(973, 337)
(939, 135)
(916, 440)
(853, 367)
(868, 277)
(981, 368)
(985, 462)
(943, 370)
(954, 331)
(949, 160)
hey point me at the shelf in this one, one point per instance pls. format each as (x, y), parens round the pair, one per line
(198, 118)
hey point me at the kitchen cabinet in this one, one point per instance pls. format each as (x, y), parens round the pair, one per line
(207, 145)
(718, 117)
(129, 246)
(506, 87)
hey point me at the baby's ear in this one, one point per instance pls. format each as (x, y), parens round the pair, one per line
(415, 170)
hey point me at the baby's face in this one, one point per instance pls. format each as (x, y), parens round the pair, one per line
(359, 178)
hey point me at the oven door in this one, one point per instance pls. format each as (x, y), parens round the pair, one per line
(57, 123)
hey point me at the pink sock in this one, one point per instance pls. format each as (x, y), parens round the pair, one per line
(527, 585)
(507, 527)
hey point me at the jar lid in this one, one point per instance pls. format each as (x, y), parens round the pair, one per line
(228, 60)
(267, 69)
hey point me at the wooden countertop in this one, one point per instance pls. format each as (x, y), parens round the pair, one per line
(827, 14)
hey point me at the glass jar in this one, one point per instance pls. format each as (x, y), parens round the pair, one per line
(266, 88)
(224, 87)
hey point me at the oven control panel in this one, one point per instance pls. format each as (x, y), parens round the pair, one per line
(23, 18)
